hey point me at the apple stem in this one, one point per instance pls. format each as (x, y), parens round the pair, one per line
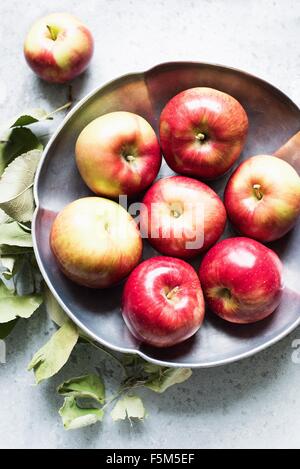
(53, 32)
(172, 292)
(129, 158)
(224, 293)
(200, 137)
(175, 214)
(257, 191)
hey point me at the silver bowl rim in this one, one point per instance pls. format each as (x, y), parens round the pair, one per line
(71, 315)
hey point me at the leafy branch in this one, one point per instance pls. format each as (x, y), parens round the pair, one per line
(22, 292)
(80, 391)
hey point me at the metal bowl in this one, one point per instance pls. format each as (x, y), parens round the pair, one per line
(273, 120)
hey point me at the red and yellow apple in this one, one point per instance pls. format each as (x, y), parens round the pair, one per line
(241, 280)
(262, 198)
(118, 153)
(163, 302)
(202, 132)
(181, 217)
(58, 47)
(96, 242)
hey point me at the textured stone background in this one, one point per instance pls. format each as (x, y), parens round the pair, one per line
(254, 403)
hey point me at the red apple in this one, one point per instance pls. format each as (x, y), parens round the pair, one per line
(96, 242)
(118, 153)
(262, 198)
(163, 302)
(202, 132)
(58, 47)
(241, 280)
(182, 217)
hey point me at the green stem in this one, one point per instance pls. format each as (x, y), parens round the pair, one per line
(54, 31)
(109, 354)
(123, 390)
(111, 400)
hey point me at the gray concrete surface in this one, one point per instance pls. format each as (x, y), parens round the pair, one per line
(254, 403)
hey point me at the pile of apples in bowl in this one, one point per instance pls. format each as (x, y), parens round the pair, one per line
(97, 244)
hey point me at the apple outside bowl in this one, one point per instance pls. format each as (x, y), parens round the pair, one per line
(273, 119)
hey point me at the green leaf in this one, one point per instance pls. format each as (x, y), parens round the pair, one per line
(31, 117)
(8, 263)
(37, 115)
(55, 353)
(75, 417)
(88, 386)
(130, 407)
(13, 306)
(6, 328)
(13, 235)
(168, 377)
(27, 276)
(16, 197)
(4, 218)
(11, 266)
(6, 250)
(54, 310)
(25, 119)
(57, 314)
(129, 359)
(20, 140)
(150, 368)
